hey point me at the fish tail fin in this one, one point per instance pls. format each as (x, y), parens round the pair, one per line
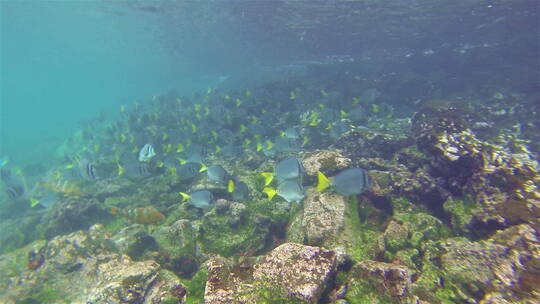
(203, 168)
(268, 177)
(230, 186)
(33, 202)
(322, 182)
(270, 192)
(184, 196)
(120, 169)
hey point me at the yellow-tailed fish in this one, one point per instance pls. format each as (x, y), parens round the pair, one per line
(292, 95)
(218, 149)
(184, 196)
(375, 108)
(203, 168)
(248, 93)
(323, 92)
(181, 161)
(259, 147)
(314, 119)
(214, 134)
(180, 148)
(343, 114)
(172, 171)
(33, 202)
(230, 186)
(120, 169)
(268, 177)
(270, 192)
(323, 182)
(238, 102)
(167, 148)
(355, 100)
(269, 144)
(242, 128)
(193, 128)
(306, 140)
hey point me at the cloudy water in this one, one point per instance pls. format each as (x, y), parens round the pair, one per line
(235, 151)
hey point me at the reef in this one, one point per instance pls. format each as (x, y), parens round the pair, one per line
(451, 214)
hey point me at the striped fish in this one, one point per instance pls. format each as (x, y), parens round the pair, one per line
(87, 170)
(146, 153)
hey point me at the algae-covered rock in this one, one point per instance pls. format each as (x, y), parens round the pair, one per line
(302, 271)
(389, 279)
(83, 267)
(326, 161)
(72, 214)
(363, 143)
(323, 218)
(231, 231)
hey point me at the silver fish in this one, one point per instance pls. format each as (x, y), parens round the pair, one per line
(146, 153)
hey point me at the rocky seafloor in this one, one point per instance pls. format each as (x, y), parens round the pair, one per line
(452, 217)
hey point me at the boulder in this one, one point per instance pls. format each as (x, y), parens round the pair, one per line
(302, 271)
(326, 161)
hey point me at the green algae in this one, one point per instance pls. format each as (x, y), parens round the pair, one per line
(461, 213)
(360, 235)
(361, 291)
(195, 287)
(115, 225)
(272, 294)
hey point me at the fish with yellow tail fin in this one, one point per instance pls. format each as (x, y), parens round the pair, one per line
(230, 186)
(290, 190)
(200, 199)
(144, 215)
(268, 177)
(270, 192)
(352, 181)
(292, 95)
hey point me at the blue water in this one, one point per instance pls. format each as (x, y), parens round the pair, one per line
(64, 62)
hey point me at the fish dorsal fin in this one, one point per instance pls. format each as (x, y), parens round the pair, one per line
(268, 177)
(323, 182)
(270, 192)
(230, 186)
(184, 196)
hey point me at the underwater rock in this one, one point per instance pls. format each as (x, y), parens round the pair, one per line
(504, 268)
(302, 271)
(506, 184)
(396, 235)
(326, 161)
(176, 247)
(323, 217)
(224, 284)
(72, 214)
(84, 267)
(363, 143)
(420, 187)
(389, 279)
